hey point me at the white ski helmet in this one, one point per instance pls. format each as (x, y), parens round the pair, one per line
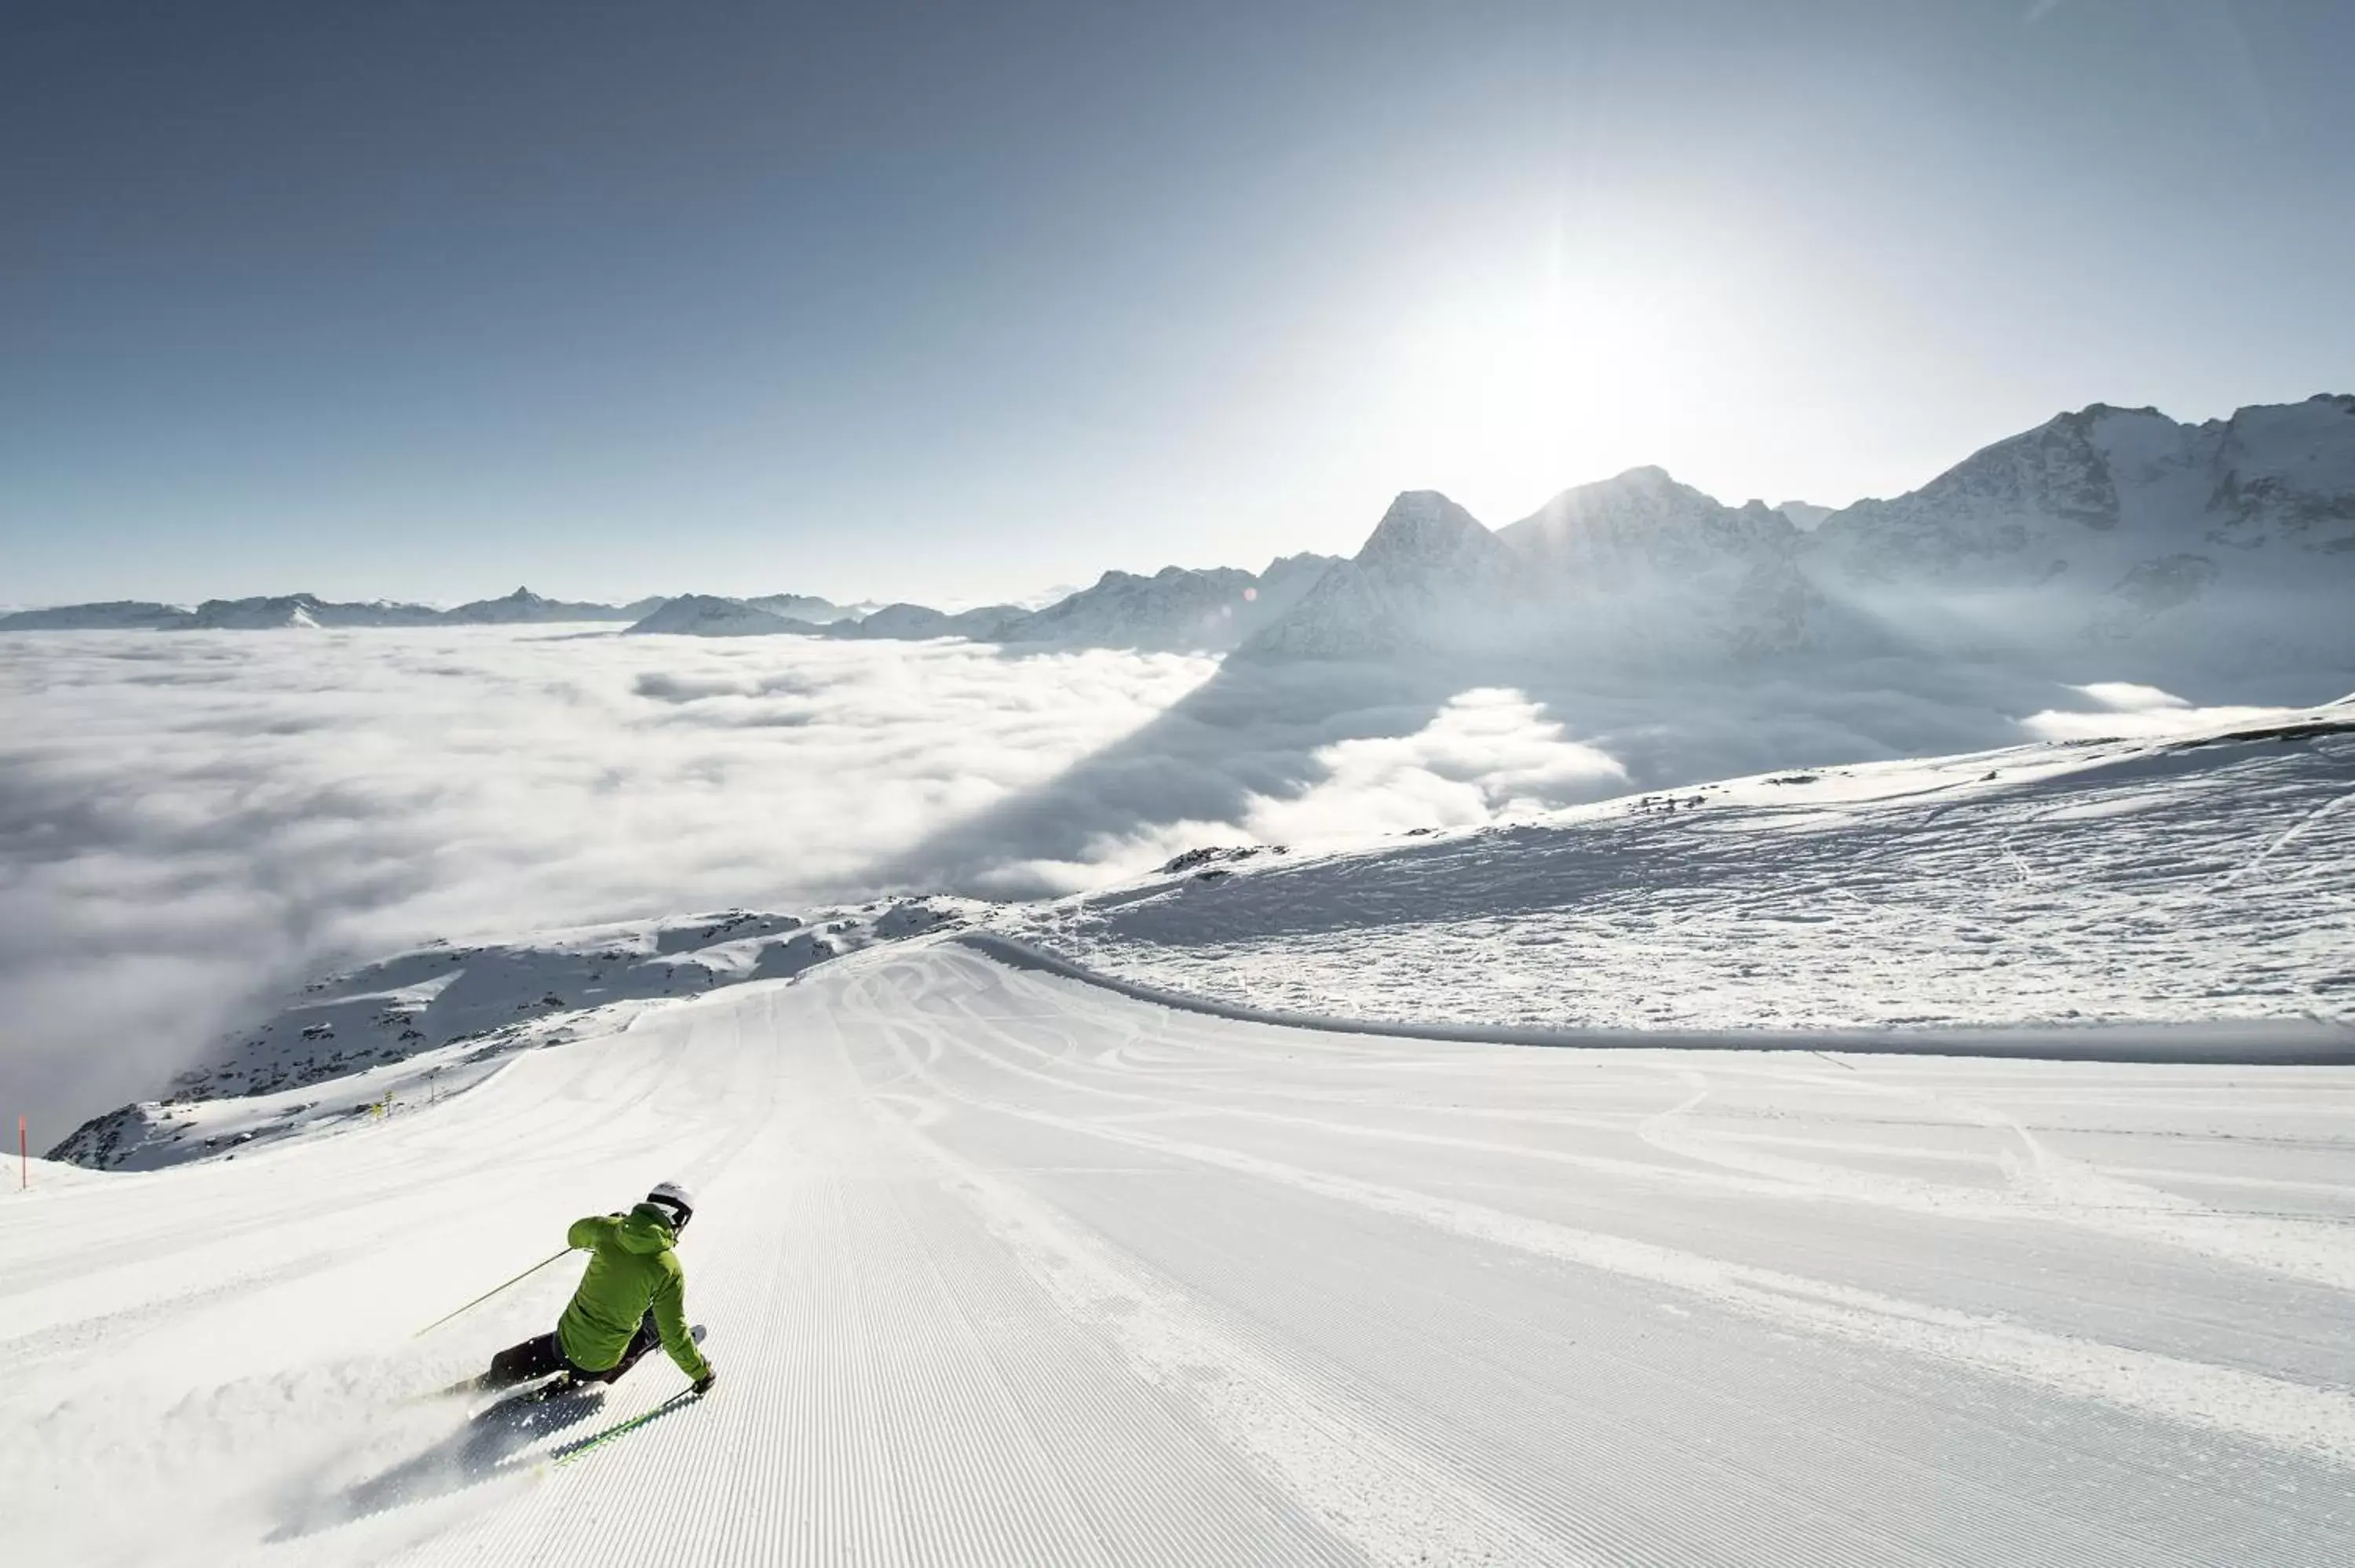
(673, 1200)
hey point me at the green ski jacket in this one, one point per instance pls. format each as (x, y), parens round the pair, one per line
(630, 1268)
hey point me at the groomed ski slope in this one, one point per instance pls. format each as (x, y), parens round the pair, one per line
(1001, 1267)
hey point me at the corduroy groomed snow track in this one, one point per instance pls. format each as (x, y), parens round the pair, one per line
(1001, 1267)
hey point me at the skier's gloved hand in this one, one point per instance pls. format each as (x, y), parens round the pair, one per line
(703, 1385)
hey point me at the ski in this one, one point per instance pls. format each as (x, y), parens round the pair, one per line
(565, 1453)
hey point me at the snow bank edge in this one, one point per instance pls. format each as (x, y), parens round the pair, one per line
(2233, 1043)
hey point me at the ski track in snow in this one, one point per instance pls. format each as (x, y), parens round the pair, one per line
(1004, 1267)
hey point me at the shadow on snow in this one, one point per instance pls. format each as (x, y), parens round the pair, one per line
(492, 1445)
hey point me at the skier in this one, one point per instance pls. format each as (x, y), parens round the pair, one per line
(632, 1295)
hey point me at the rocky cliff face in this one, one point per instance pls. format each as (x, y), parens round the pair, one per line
(2234, 538)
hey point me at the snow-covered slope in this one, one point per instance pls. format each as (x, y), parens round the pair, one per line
(2196, 879)
(1000, 1268)
(423, 1023)
(1001, 1265)
(2200, 879)
(706, 615)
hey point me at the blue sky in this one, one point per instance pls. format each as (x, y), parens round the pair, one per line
(952, 302)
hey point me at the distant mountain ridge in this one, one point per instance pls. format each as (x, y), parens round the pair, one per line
(707, 615)
(523, 607)
(804, 606)
(2120, 525)
(919, 622)
(1177, 610)
(2230, 543)
(274, 611)
(2102, 530)
(112, 615)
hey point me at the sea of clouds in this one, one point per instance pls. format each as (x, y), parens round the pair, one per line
(190, 823)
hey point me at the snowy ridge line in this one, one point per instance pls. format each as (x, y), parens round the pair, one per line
(2228, 1042)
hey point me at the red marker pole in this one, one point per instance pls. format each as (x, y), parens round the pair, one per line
(23, 1159)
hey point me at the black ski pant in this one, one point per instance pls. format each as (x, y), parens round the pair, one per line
(541, 1356)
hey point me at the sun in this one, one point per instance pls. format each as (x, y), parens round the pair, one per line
(1506, 390)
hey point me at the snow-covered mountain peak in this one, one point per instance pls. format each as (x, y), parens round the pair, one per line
(706, 615)
(1117, 581)
(2292, 465)
(302, 610)
(521, 605)
(2156, 484)
(1646, 567)
(1643, 479)
(2228, 544)
(525, 608)
(1307, 561)
(1178, 608)
(1640, 513)
(2057, 470)
(1409, 588)
(920, 622)
(1423, 528)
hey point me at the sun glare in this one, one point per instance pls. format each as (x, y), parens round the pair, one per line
(1505, 394)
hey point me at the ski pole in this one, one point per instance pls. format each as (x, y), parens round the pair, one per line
(487, 1295)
